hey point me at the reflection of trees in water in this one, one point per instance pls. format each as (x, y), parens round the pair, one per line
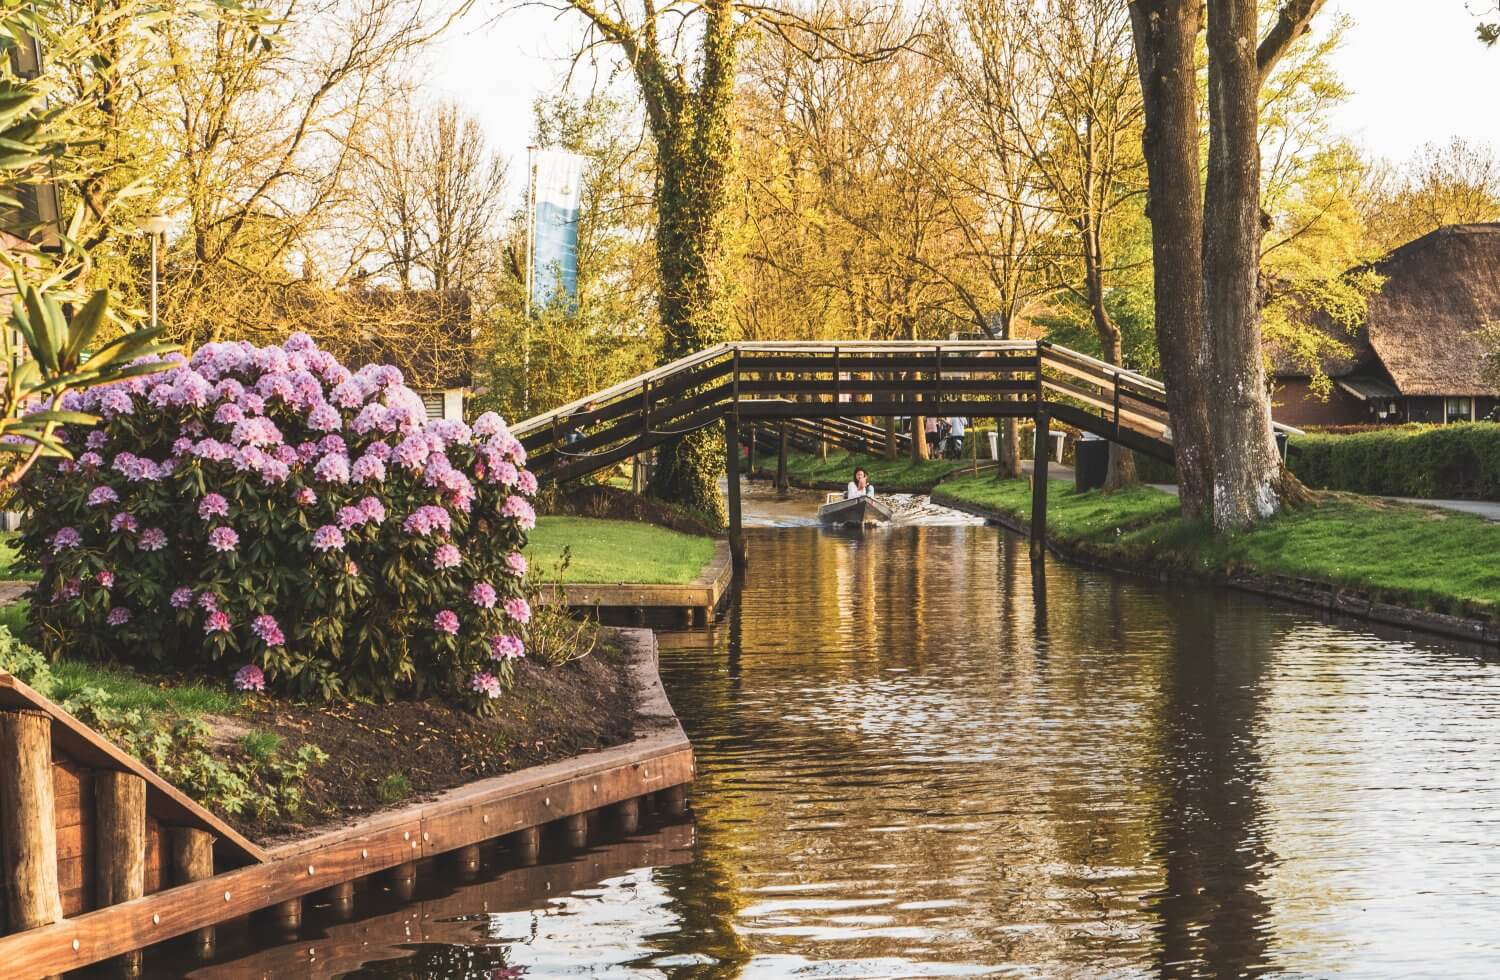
(706, 898)
(1211, 837)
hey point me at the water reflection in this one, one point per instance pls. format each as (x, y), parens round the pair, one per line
(922, 756)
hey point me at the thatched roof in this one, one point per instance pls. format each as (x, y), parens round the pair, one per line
(1421, 330)
(1440, 291)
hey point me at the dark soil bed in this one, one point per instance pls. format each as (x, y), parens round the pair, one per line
(383, 755)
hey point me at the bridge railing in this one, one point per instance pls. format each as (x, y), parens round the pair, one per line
(828, 388)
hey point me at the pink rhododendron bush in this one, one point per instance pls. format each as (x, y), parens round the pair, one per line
(267, 515)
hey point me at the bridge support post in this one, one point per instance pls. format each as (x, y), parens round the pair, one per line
(1041, 456)
(732, 472)
(783, 485)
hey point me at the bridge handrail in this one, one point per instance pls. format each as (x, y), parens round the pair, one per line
(624, 387)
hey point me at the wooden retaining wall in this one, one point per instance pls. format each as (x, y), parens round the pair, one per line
(696, 601)
(658, 762)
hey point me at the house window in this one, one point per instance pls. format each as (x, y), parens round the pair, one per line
(432, 401)
(1458, 410)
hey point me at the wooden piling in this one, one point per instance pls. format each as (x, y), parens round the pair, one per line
(627, 814)
(288, 914)
(402, 880)
(672, 801)
(341, 900)
(120, 847)
(1041, 457)
(732, 468)
(783, 483)
(576, 830)
(466, 862)
(526, 846)
(28, 820)
(193, 860)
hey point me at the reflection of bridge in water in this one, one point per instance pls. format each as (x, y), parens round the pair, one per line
(828, 387)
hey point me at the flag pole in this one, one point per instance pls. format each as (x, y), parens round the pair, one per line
(530, 248)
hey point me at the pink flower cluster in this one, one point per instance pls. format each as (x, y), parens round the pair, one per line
(249, 678)
(317, 464)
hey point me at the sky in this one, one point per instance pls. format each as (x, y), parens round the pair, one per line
(1417, 73)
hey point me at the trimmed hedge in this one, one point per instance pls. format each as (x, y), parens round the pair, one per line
(1448, 462)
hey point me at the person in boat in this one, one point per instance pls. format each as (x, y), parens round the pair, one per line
(859, 486)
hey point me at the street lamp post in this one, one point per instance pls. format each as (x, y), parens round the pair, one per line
(156, 226)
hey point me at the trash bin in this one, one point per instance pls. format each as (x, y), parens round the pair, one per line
(1281, 445)
(1091, 465)
(995, 446)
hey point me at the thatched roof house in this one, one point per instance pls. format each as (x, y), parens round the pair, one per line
(1418, 357)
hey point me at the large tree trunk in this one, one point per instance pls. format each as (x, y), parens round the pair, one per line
(1165, 33)
(918, 439)
(695, 158)
(1247, 467)
(1010, 448)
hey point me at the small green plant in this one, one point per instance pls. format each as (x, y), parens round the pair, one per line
(261, 746)
(393, 788)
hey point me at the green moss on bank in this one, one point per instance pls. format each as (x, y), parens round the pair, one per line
(615, 551)
(888, 475)
(1421, 558)
(8, 558)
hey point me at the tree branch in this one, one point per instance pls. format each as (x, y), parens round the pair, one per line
(1293, 20)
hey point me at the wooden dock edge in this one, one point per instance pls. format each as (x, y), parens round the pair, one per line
(1302, 592)
(705, 592)
(658, 758)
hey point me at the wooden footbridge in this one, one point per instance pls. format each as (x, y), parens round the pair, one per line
(828, 388)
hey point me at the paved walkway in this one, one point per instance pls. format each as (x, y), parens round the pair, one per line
(11, 591)
(1488, 509)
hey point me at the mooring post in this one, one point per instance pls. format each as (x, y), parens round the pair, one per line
(466, 862)
(28, 820)
(120, 847)
(732, 472)
(1041, 456)
(193, 860)
(783, 485)
(403, 880)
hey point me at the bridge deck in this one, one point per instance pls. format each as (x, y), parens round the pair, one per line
(825, 389)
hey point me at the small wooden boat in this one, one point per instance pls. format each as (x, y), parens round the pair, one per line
(853, 512)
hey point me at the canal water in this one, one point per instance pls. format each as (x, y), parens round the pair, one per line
(918, 760)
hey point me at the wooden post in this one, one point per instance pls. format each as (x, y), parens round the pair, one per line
(120, 847)
(783, 484)
(193, 860)
(732, 467)
(341, 900)
(672, 801)
(1041, 457)
(288, 914)
(28, 820)
(627, 815)
(750, 461)
(466, 862)
(576, 830)
(526, 846)
(403, 880)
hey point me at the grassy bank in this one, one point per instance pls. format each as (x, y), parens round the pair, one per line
(888, 475)
(616, 551)
(8, 557)
(1424, 559)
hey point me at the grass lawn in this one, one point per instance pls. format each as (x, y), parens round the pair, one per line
(885, 474)
(616, 551)
(8, 558)
(1413, 556)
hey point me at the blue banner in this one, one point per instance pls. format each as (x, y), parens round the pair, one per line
(559, 196)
